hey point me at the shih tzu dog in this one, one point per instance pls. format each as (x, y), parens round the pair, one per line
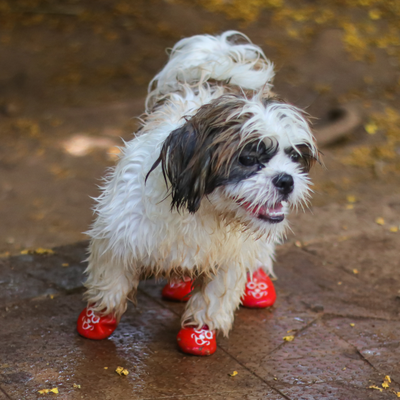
(202, 192)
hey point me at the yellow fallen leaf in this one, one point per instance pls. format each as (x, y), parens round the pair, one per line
(375, 387)
(351, 199)
(41, 250)
(355, 271)
(77, 386)
(385, 385)
(288, 338)
(105, 367)
(349, 206)
(65, 265)
(234, 373)
(122, 371)
(374, 14)
(380, 221)
(339, 283)
(371, 128)
(46, 391)
(352, 325)
(394, 229)
(387, 379)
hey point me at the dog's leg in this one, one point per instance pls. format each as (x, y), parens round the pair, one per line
(111, 281)
(260, 291)
(211, 308)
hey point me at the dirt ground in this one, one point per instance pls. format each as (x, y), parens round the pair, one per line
(73, 77)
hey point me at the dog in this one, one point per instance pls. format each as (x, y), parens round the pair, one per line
(202, 191)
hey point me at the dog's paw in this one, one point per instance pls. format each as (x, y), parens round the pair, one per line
(95, 327)
(199, 342)
(259, 291)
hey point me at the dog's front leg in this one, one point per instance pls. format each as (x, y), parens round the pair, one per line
(111, 281)
(211, 308)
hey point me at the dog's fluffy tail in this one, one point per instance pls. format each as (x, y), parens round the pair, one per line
(230, 57)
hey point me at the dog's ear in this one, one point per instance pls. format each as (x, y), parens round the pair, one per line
(185, 160)
(196, 158)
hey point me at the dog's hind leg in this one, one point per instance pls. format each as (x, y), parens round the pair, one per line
(211, 308)
(111, 282)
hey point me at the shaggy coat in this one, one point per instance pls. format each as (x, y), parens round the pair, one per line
(204, 188)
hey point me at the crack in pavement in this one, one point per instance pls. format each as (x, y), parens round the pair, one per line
(5, 393)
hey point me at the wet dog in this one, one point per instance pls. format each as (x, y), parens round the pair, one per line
(203, 190)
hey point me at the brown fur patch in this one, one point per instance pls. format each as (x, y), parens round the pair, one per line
(196, 158)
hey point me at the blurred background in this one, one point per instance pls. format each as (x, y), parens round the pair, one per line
(74, 74)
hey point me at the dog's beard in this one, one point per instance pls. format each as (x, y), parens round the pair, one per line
(255, 206)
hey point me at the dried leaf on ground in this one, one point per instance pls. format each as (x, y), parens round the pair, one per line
(47, 391)
(288, 338)
(122, 371)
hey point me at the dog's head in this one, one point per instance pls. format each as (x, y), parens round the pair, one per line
(249, 157)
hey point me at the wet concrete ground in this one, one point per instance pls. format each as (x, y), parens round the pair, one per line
(74, 69)
(345, 324)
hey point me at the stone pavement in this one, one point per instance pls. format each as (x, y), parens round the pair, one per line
(338, 296)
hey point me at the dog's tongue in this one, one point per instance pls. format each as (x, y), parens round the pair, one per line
(264, 210)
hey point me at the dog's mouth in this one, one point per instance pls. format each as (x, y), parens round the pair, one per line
(273, 215)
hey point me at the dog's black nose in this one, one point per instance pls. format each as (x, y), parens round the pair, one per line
(284, 183)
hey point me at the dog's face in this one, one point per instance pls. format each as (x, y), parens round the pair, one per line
(249, 158)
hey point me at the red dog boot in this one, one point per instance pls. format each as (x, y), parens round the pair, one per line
(259, 291)
(200, 342)
(177, 289)
(92, 326)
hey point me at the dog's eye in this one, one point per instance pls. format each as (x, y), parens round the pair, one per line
(305, 159)
(248, 161)
(295, 156)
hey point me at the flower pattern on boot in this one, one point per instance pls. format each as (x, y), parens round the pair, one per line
(259, 291)
(199, 342)
(95, 327)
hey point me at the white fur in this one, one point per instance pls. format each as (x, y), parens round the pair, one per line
(136, 231)
(200, 58)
